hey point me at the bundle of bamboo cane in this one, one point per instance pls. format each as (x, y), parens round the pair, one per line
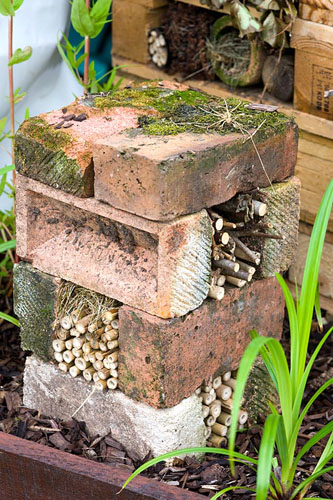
(233, 262)
(217, 400)
(89, 348)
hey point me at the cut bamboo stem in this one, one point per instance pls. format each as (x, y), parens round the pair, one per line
(220, 429)
(112, 383)
(58, 345)
(224, 418)
(205, 411)
(236, 281)
(66, 323)
(215, 409)
(226, 376)
(259, 208)
(217, 441)
(216, 292)
(217, 381)
(224, 392)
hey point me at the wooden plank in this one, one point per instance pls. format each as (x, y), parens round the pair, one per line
(30, 471)
(309, 123)
(315, 14)
(307, 229)
(316, 146)
(325, 302)
(326, 266)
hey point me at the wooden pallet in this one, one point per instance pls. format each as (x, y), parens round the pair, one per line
(31, 471)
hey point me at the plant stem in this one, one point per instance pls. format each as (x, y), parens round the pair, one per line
(11, 87)
(87, 51)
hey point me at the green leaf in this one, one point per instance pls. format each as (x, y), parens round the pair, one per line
(266, 455)
(6, 8)
(308, 481)
(231, 488)
(26, 114)
(6, 169)
(272, 32)
(20, 55)
(10, 319)
(65, 58)
(8, 245)
(243, 19)
(81, 19)
(100, 11)
(185, 451)
(17, 4)
(2, 124)
(318, 310)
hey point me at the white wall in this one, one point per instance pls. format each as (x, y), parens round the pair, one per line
(45, 77)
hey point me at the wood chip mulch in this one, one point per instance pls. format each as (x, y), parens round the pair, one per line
(204, 477)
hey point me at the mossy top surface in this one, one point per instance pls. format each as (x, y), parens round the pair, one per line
(38, 129)
(170, 112)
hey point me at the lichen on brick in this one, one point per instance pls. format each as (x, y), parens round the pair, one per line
(34, 304)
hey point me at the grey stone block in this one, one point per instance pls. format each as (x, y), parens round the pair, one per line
(140, 428)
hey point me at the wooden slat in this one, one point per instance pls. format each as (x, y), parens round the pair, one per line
(30, 471)
(309, 123)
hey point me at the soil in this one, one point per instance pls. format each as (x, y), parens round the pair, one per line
(204, 477)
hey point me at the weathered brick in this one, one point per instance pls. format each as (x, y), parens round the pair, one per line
(139, 150)
(163, 361)
(35, 305)
(161, 268)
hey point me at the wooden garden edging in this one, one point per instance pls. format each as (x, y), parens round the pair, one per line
(30, 471)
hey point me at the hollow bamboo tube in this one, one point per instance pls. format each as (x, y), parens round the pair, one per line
(113, 356)
(208, 432)
(259, 208)
(242, 417)
(98, 365)
(219, 429)
(92, 357)
(103, 347)
(112, 383)
(77, 352)
(227, 265)
(217, 381)
(94, 343)
(74, 371)
(115, 324)
(63, 334)
(64, 367)
(246, 267)
(92, 327)
(208, 388)
(101, 385)
(224, 392)
(205, 411)
(197, 391)
(102, 354)
(217, 441)
(207, 398)
(113, 344)
(224, 418)
(114, 373)
(236, 281)
(81, 364)
(226, 376)
(210, 420)
(78, 314)
(104, 339)
(231, 383)
(66, 322)
(107, 363)
(69, 344)
(88, 373)
(86, 347)
(68, 356)
(111, 335)
(95, 377)
(58, 356)
(58, 345)
(108, 316)
(215, 409)
(216, 292)
(85, 356)
(104, 373)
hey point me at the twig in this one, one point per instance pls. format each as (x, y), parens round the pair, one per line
(86, 61)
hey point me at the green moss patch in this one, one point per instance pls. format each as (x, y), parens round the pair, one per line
(38, 129)
(178, 111)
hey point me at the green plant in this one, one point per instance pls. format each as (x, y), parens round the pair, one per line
(88, 23)
(276, 474)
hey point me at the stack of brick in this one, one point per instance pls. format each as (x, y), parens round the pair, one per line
(112, 195)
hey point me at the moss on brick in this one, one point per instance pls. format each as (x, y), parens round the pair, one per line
(34, 304)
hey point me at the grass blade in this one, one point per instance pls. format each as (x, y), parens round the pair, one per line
(266, 455)
(10, 319)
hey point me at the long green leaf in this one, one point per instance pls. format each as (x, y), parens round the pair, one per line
(6, 169)
(64, 57)
(8, 245)
(2, 124)
(266, 455)
(185, 451)
(17, 4)
(308, 481)
(10, 319)
(231, 488)
(100, 10)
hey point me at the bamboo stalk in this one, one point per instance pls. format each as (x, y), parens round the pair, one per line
(208, 432)
(101, 385)
(74, 332)
(85, 356)
(113, 344)
(77, 352)
(86, 347)
(78, 342)
(95, 377)
(81, 364)
(217, 382)
(208, 388)
(224, 392)
(243, 417)
(64, 367)
(82, 325)
(113, 356)
(108, 316)
(217, 441)
(103, 347)
(215, 409)
(205, 411)
(69, 344)
(207, 399)
(231, 383)
(210, 420)
(88, 373)
(220, 429)
(104, 374)
(115, 324)
(63, 334)
(224, 418)
(58, 345)
(111, 335)
(112, 383)
(114, 373)
(78, 314)
(98, 365)
(66, 323)
(227, 405)
(226, 376)
(94, 343)
(58, 356)
(92, 357)
(197, 391)
(74, 371)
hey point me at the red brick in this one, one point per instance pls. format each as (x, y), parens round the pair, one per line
(163, 177)
(163, 361)
(161, 268)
